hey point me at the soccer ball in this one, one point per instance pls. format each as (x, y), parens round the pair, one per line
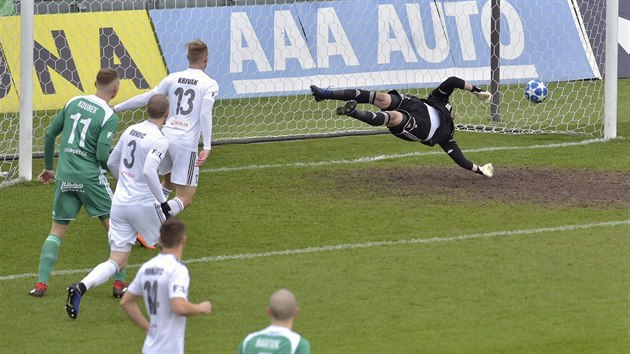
(536, 91)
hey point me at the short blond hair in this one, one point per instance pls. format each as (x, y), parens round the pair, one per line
(197, 50)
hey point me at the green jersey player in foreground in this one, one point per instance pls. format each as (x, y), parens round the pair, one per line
(278, 338)
(87, 126)
(163, 282)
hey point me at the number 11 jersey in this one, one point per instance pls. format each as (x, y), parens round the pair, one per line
(87, 121)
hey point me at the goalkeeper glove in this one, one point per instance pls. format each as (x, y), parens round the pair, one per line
(166, 209)
(484, 96)
(487, 170)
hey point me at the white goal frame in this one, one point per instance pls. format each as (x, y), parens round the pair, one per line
(25, 155)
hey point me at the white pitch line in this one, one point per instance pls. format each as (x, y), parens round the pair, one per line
(347, 246)
(397, 156)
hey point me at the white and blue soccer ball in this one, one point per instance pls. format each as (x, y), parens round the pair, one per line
(536, 91)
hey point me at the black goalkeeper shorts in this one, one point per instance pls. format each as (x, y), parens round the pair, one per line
(416, 124)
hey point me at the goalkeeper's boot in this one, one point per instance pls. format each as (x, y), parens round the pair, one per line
(39, 290)
(487, 170)
(74, 301)
(320, 94)
(347, 109)
(144, 242)
(119, 289)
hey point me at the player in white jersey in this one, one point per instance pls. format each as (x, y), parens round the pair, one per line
(138, 206)
(192, 94)
(279, 338)
(163, 281)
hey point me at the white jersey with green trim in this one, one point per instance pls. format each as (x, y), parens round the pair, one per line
(274, 340)
(159, 280)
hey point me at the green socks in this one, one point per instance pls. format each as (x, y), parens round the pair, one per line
(48, 257)
(121, 275)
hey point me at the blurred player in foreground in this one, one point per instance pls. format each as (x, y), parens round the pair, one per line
(163, 281)
(192, 94)
(139, 206)
(87, 126)
(428, 121)
(278, 338)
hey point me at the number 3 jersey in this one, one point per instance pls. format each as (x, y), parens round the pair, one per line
(158, 280)
(191, 94)
(84, 123)
(135, 161)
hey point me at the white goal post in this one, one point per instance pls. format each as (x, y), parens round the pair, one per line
(612, 40)
(266, 53)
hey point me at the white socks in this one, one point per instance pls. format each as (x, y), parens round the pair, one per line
(167, 192)
(100, 274)
(176, 205)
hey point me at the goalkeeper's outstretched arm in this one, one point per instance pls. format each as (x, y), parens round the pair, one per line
(452, 149)
(447, 87)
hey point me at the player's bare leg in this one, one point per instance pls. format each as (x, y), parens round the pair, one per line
(105, 223)
(383, 100)
(167, 185)
(59, 230)
(185, 194)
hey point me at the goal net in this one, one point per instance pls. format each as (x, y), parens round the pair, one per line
(265, 54)
(10, 118)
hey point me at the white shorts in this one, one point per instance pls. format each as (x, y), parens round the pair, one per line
(180, 163)
(126, 222)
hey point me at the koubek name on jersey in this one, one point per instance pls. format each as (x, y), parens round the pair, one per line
(87, 122)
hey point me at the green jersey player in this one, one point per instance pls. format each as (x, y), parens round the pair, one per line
(279, 337)
(87, 126)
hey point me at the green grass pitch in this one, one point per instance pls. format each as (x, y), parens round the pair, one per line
(469, 282)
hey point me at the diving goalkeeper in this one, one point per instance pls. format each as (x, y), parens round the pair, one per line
(428, 121)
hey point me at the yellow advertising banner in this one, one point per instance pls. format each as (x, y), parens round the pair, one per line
(69, 51)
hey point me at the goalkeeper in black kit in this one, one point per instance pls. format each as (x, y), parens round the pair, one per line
(428, 121)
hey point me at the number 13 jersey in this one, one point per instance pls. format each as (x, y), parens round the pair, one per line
(191, 94)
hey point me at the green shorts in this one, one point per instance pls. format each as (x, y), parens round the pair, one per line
(70, 196)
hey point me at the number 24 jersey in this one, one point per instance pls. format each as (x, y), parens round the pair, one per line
(158, 280)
